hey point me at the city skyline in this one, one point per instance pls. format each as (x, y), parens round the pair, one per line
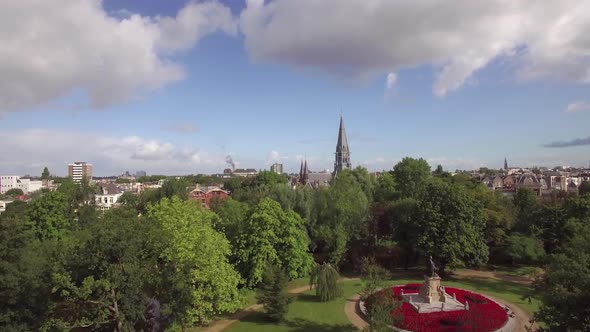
(176, 86)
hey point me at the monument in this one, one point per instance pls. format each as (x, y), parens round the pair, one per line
(432, 295)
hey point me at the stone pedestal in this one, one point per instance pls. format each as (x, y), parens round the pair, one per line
(431, 290)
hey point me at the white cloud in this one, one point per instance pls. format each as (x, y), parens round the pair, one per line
(52, 48)
(578, 106)
(391, 79)
(360, 38)
(28, 151)
(181, 127)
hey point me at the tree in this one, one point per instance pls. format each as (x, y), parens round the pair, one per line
(271, 234)
(411, 176)
(338, 216)
(45, 174)
(232, 218)
(324, 278)
(373, 277)
(50, 215)
(104, 276)
(564, 286)
(198, 281)
(584, 188)
(268, 178)
(14, 192)
(524, 249)
(383, 311)
(525, 202)
(272, 292)
(450, 226)
(365, 180)
(385, 190)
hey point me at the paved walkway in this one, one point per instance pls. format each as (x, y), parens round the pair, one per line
(222, 324)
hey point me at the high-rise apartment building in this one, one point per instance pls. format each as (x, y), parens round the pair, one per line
(80, 170)
(276, 168)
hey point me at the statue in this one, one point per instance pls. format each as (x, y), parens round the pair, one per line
(431, 268)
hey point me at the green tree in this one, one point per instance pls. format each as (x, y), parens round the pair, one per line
(373, 277)
(45, 174)
(386, 188)
(325, 278)
(339, 216)
(383, 312)
(450, 226)
(525, 202)
(584, 188)
(524, 249)
(14, 192)
(105, 274)
(411, 175)
(272, 292)
(268, 178)
(50, 215)
(365, 180)
(232, 218)
(272, 234)
(198, 281)
(564, 286)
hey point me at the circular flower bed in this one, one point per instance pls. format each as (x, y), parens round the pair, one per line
(483, 315)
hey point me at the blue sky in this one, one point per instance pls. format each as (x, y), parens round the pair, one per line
(229, 92)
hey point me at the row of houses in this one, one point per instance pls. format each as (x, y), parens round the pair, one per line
(539, 183)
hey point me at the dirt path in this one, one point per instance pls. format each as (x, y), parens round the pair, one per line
(222, 324)
(492, 275)
(353, 313)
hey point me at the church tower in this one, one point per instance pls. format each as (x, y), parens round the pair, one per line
(342, 153)
(505, 164)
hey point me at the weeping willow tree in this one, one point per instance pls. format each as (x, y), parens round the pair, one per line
(325, 280)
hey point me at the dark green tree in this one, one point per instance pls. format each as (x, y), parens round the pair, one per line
(50, 215)
(584, 188)
(411, 175)
(232, 219)
(14, 192)
(324, 277)
(268, 178)
(383, 311)
(564, 286)
(386, 188)
(524, 249)
(45, 174)
(272, 292)
(525, 202)
(450, 226)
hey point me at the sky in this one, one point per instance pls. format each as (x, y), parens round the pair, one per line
(173, 87)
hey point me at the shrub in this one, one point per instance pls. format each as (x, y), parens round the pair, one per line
(325, 279)
(272, 292)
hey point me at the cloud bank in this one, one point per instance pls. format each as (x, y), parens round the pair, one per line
(566, 144)
(53, 48)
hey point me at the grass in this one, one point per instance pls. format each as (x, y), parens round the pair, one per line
(306, 313)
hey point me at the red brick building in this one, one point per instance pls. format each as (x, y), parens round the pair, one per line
(206, 195)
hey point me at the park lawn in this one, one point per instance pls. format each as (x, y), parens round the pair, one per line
(308, 314)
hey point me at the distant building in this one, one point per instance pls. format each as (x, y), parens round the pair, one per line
(139, 174)
(247, 172)
(207, 194)
(2, 206)
(311, 179)
(342, 158)
(8, 182)
(79, 170)
(106, 196)
(276, 168)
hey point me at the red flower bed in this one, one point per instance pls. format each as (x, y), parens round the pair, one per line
(483, 314)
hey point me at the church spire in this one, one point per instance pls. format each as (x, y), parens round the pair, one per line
(342, 152)
(505, 164)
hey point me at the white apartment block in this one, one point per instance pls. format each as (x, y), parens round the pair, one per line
(8, 182)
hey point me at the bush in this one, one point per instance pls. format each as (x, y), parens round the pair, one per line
(325, 279)
(382, 309)
(373, 277)
(272, 292)
(14, 192)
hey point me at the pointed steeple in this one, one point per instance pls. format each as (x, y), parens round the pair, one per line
(342, 152)
(305, 173)
(505, 163)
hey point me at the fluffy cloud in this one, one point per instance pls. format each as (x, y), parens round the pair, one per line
(181, 127)
(577, 106)
(110, 155)
(52, 48)
(391, 79)
(362, 38)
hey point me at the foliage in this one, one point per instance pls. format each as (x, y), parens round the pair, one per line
(174, 187)
(50, 215)
(104, 274)
(271, 234)
(584, 188)
(232, 218)
(525, 201)
(365, 180)
(564, 286)
(411, 175)
(268, 178)
(373, 277)
(197, 279)
(272, 292)
(325, 278)
(338, 216)
(45, 174)
(386, 188)
(380, 310)
(150, 178)
(14, 192)
(524, 249)
(498, 213)
(450, 226)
